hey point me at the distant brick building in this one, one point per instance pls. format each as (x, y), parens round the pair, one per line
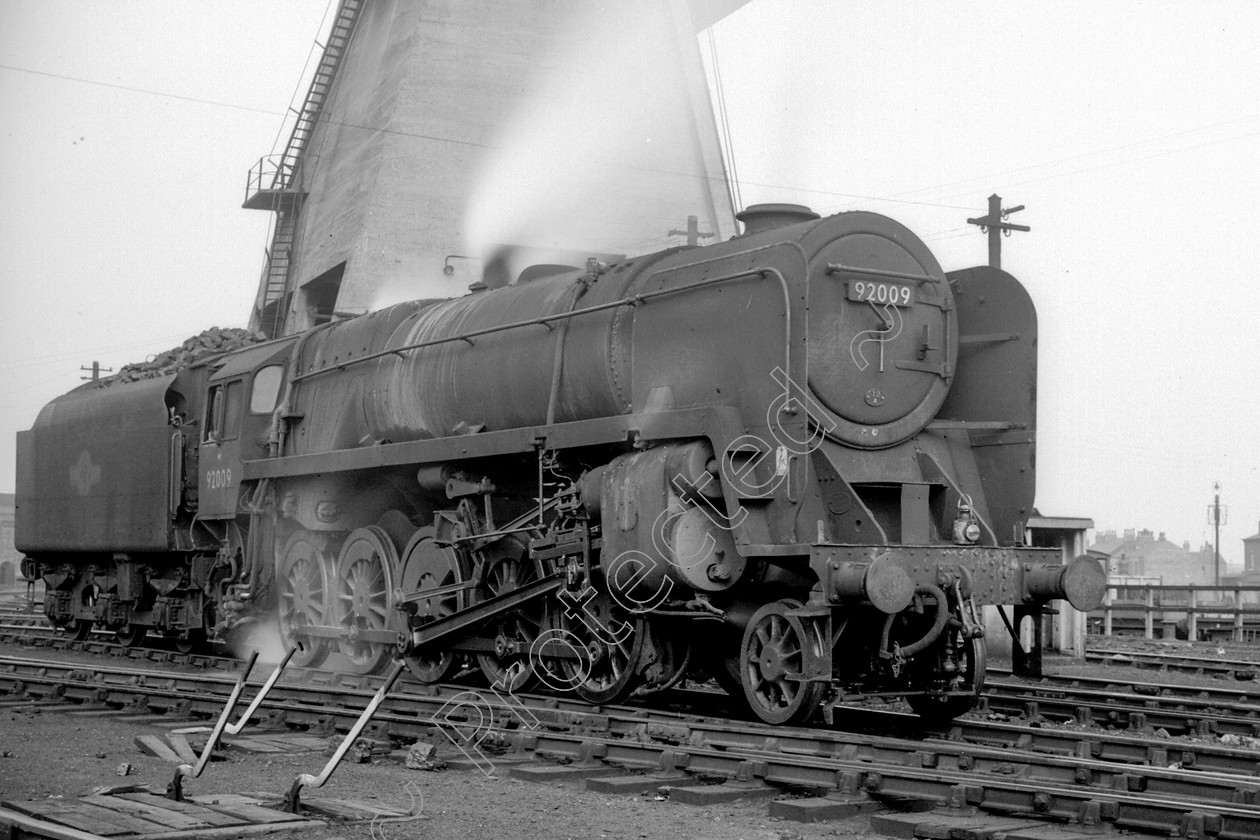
(1251, 555)
(1141, 554)
(10, 557)
(1251, 569)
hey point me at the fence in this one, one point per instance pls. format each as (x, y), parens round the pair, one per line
(1193, 612)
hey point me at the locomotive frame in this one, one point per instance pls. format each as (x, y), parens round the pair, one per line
(799, 460)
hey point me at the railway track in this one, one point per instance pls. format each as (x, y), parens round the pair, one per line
(1015, 731)
(1140, 708)
(1016, 773)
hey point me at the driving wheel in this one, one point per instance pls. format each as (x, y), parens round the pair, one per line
(427, 566)
(302, 583)
(508, 568)
(365, 598)
(609, 641)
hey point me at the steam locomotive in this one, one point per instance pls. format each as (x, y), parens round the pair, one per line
(798, 461)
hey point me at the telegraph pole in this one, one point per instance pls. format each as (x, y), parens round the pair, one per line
(1214, 513)
(995, 225)
(692, 232)
(96, 370)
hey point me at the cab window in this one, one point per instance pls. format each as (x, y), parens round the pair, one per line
(233, 406)
(223, 411)
(262, 399)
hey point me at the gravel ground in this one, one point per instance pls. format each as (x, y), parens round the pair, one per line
(55, 755)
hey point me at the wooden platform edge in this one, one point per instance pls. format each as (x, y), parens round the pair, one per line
(297, 823)
(52, 830)
(56, 831)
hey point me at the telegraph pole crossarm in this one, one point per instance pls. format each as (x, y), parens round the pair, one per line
(995, 225)
(693, 232)
(96, 370)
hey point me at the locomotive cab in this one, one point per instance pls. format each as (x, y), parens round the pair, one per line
(241, 396)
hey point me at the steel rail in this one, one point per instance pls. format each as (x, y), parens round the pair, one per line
(1153, 690)
(1173, 661)
(1177, 715)
(1078, 738)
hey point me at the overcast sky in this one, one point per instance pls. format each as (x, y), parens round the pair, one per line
(1129, 130)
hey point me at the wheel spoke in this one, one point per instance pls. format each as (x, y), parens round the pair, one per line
(302, 596)
(424, 565)
(364, 596)
(773, 661)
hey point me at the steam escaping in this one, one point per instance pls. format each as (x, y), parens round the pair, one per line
(406, 284)
(604, 154)
(262, 636)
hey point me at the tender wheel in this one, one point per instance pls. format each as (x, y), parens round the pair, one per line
(508, 567)
(426, 566)
(132, 635)
(941, 710)
(190, 643)
(365, 597)
(612, 644)
(81, 628)
(772, 661)
(302, 583)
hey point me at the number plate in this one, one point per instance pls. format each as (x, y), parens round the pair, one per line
(881, 293)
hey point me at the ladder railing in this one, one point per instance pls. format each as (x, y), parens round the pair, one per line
(285, 171)
(317, 93)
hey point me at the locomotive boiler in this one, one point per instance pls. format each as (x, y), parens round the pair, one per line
(799, 461)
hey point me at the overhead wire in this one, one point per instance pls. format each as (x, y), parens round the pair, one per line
(72, 353)
(734, 180)
(1092, 153)
(1129, 160)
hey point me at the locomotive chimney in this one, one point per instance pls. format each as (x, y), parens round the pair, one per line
(762, 217)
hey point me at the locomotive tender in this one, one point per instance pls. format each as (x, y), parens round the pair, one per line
(800, 460)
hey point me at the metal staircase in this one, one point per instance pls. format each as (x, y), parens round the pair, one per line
(271, 307)
(276, 182)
